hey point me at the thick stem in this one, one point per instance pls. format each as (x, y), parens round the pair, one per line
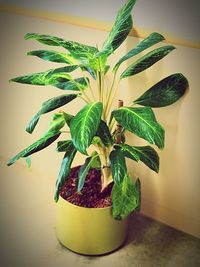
(106, 177)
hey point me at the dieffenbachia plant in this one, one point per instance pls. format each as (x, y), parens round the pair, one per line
(95, 124)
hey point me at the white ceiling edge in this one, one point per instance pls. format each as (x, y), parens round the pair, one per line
(180, 18)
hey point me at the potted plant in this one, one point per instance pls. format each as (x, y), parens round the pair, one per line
(95, 199)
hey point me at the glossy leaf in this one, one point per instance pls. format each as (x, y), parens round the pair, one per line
(124, 198)
(104, 133)
(128, 151)
(48, 106)
(84, 125)
(62, 146)
(53, 56)
(118, 166)
(72, 85)
(120, 30)
(42, 143)
(57, 122)
(165, 92)
(147, 61)
(65, 168)
(47, 77)
(142, 122)
(149, 41)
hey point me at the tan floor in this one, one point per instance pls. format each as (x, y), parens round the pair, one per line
(28, 239)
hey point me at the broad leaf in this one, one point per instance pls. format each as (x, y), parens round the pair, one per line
(124, 198)
(104, 133)
(147, 61)
(43, 142)
(65, 168)
(142, 122)
(48, 106)
(53, 56)
(89, 163)
(84, 125)
(149, 41)
(62, 146)
(72, 85)
(128, 151)
(57, 122)
(49, 77)
(45, 39)
(120, 30)
(68, 118)
(118, 166)
(165, 92)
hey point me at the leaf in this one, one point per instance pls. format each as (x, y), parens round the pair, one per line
(57, 122)
(104, 133)
(65, 168)
(68, 118)
(120, 30)
(149, 41)
(73, 85)
(147, 61)
(40, 144)
(48, 106)
(118, 166)
(142, 122)
(124, 198)
(45, 39)
(138, 194)
(128, 151)
(28, 161)
(53, 56)
(148, 156)
(48, 77)
(84, 125)
(165, 92)
(62, 146)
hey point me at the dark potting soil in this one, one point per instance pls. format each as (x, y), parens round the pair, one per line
(91, 195)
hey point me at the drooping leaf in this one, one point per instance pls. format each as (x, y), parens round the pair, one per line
(89, 163)
(142, 122)
(65, 168)
(72, 85)
(128, 151)
(149, 41)
(148, 156)
(48, 106)
(124, 198)
(104, 133)
(57, 122)
(165, 92)
(46, 39)
(120, 30)
(28, 161)
(43, 142)
(53, 56)
(68, 118)
(138, 194)
(84, 125)
(47, 77)
(147, 61)
(118, 166)
(89, 70)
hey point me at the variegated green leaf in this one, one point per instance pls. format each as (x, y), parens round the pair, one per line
(65, 168)
(128, 151)
(84, 125)
(62, 146)
(68, 118)
(47, 77)
(46, 39)
(72, 85)
(53, 56)
(43, 142)
(57, 122)
(118, 166)
(147, 61)
(104, 133)
(165, 92)
(124, 198)
(142, 122)
(149, 41)
(48, 106)
(120, 30)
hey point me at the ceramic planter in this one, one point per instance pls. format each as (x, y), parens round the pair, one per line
(89, 231)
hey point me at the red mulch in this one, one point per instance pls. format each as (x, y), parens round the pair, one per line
(91, 195)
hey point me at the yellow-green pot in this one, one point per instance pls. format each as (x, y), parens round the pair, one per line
(89, 231)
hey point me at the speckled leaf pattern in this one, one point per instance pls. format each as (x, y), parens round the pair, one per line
(142, 122)
(65, 168)
(104, 133)
(124, 198)
(53, 56)
(128, 151)
(165, 92)
(118, 166)
(84, 125)
(120, 30)
(147, 61)
(47, 77)
(149, 41)
(48, 106)
(42, 143)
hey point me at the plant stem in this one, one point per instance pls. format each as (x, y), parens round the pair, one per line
(109, 95)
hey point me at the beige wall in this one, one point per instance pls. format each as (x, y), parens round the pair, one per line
(172, 196)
